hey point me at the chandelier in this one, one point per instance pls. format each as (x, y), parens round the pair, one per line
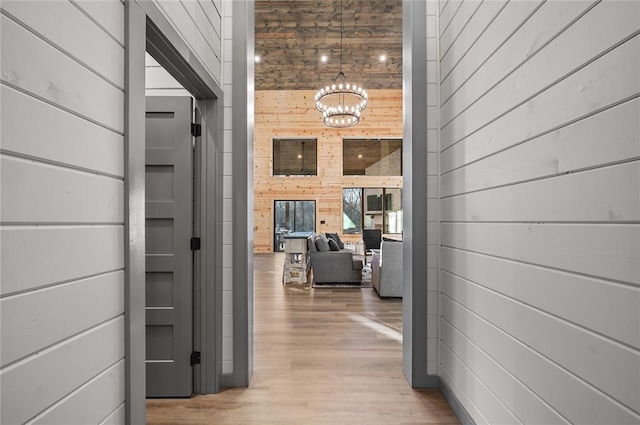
(341, 102)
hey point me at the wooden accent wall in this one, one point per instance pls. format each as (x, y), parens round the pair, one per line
(283, 114)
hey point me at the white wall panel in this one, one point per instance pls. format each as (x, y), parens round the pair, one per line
(540, 234)
(157, 78)
(34, 192)
(45, 378)
(570, 148)
(554, 292)
(91, 403)
(37, 319)
(491, 25)
(458, 23)
(494, 411)
(448, 13)
(618, 21)
(213, 14)
(204, 23)
(526, 405)
(116, 418)
(601, 84)
(553, 199)
(608, 366)
(59, 137)
(187, 28)
(487, 66)
(609, 251)
(81, 38)
(570, 396)
(62, 163)
(62, 253)
(53, 76)
(107, 14)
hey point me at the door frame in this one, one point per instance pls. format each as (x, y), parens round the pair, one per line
(415, 342)
(147, 29)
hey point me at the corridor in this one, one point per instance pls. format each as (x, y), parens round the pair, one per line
(322, 356)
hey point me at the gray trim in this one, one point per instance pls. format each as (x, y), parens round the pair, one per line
(169, 49)
(199, 302)
(414, 314)
(210, 230)
(456, 406)
(242, 125)
(134, 106)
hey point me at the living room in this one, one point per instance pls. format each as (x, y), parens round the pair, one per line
(342, 174)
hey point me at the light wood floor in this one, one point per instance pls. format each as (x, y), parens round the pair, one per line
(322, 356)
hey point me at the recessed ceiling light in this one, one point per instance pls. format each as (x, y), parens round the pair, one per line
(257, 59)
(324, 58)
(383, 58)
(360, 156)
(299, 156)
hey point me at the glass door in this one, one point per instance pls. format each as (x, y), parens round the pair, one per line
(292, 216)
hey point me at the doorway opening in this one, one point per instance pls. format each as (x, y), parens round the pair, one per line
(149, 31)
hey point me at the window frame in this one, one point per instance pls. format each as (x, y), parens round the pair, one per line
(294, 139)
(370, 141)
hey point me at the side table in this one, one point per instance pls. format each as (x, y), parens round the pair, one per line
(296, 257)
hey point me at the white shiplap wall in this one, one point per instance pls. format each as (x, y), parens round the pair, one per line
(433, 213)
(227, 192)
(158, 82)
(540, 203)
(62, 212)
(199, 24)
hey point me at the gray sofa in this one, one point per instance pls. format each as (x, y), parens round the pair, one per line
(386, 269)
(333, 266)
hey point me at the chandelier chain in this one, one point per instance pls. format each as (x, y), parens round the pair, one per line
(341, 102)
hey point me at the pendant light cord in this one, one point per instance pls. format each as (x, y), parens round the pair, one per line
(341, 30)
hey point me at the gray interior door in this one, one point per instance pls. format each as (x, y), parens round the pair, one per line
(169, 270)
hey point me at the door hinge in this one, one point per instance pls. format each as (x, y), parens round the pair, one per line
(195, 358)
(196, 129)
(195, 244)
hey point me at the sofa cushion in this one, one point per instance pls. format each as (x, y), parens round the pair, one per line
(311, 244)
(322, 245)
(336, 238)
(333, 245)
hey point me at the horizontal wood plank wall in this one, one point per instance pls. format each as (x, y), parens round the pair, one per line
(540, 192)
(199, 24)
(286, 114)
(62, 212)
(158, 82)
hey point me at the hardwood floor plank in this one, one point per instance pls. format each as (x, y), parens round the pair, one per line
(322, 356)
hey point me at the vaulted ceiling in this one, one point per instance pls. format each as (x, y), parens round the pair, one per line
(292, 35)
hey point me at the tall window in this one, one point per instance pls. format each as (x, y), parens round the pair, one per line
(372, 208)
(295, 157)
(372, 157)
(292, 216)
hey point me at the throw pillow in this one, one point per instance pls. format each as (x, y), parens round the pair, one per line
(333, 245)
(336, 238)
(322, 245)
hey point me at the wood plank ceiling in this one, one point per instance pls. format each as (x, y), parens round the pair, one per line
(292, 35)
